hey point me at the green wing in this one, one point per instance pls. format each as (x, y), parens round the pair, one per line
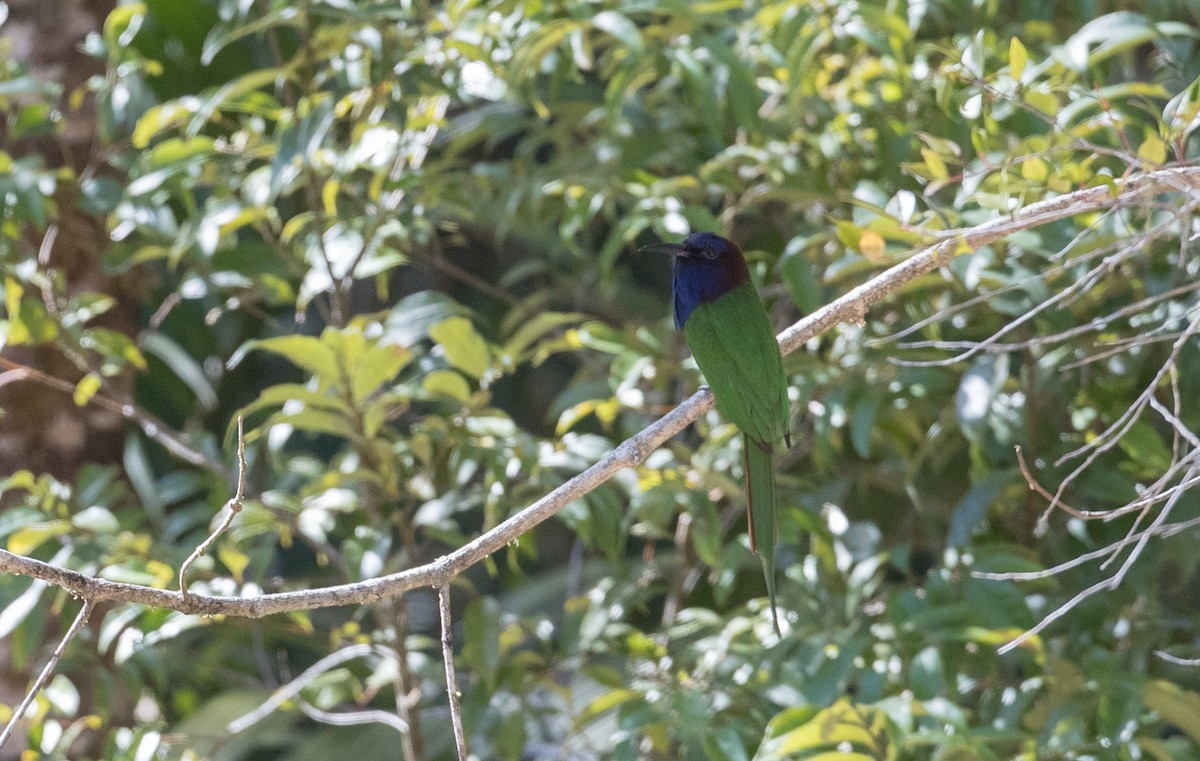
(732, 341)
(734, 345)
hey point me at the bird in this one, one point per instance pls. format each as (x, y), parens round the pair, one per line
(727, 329)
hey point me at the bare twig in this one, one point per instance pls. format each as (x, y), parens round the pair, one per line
(293, 688)
(232, 508)
(44, 677)
(353, 718)
(1081, 284)
(634, 450)
(1115, 349)
(1037, 487)
(1046, 573)
(1092, 326)
(154, 428)
(407, 696)
(1113, 434)
(1177, 425)
(1176, 659)
(460, 741)
(1110, 583)
(1014, 285)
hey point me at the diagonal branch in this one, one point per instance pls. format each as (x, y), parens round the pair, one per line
(851, 307)
(51, 664)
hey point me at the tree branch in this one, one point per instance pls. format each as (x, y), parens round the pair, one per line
(851, 307)
(460, 742)
(44, 677)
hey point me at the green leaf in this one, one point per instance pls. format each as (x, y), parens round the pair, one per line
(25, 540)
(306, 352)
(1177, 706)
(375, 368)
(316, 421)
(481, 650)
(1035, 170)
(605, 703)
(971, 511)
(1153, 150)
(28, 320)
(465, 348)
(100, 195)
(1105, 37)
(97, 520)
(183, 365)
(288, 16)
(852, 732)
(141, 477)
(447, 383)
(230, 90)
(619, 26)
(86, 388)
(17, 611)
(122, 24)
(1146, 448)
(159, 119)
(935, 165)
(1017, 57)
(862, 422)
(117, 348)
(536, 328)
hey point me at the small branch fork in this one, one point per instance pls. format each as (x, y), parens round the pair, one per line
(851, 307)
(232, 508)
(293, 688)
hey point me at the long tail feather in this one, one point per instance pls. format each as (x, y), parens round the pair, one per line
(760, 514)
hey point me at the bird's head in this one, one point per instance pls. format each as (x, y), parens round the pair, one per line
(702, 249)
(705, 266)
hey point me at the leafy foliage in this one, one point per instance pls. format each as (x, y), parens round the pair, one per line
(400, 239)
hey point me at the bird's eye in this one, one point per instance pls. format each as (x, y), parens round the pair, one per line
(710, 253)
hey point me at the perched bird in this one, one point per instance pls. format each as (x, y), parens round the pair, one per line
(726, 327)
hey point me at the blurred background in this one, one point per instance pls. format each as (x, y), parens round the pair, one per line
(401, 239)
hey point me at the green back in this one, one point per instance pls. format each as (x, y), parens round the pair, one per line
(734, 345)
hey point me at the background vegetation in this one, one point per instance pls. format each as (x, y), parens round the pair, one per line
(400, 238)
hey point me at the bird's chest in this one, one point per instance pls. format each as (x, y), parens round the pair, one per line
(696, 283)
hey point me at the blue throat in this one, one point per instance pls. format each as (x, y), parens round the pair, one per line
(696, 280)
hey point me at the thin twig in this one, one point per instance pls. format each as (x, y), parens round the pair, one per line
(154, 428)
(1046, 275)
(1046, 573)
(1084, 283)
(1093, 325)
(1176, 659)
(353, 718)
(1036, 486)
(1113, 434)
(1110, 583)
(460, 740)
(407, 696)
(1173, 418)
(293, 688)
(44, 677)
(232, 508)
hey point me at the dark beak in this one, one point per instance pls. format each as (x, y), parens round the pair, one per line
(674, 249)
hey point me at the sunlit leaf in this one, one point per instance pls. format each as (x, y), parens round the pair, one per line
(465, 348)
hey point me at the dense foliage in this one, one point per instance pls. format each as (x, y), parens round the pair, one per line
(400, 239)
